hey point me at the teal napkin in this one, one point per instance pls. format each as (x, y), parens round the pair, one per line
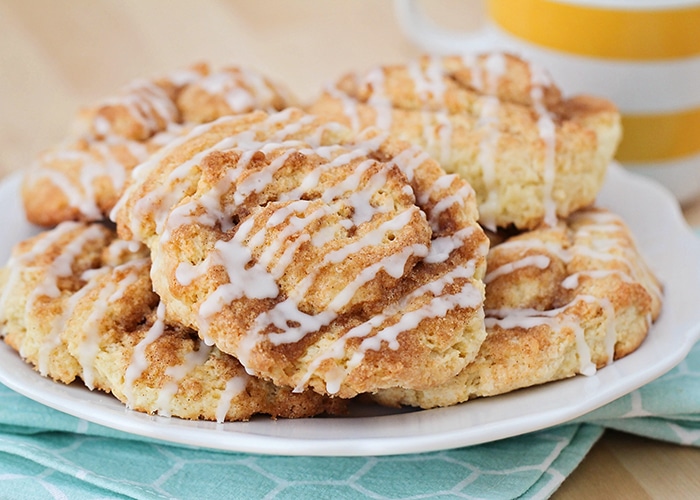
(667, 409)
(47, 454)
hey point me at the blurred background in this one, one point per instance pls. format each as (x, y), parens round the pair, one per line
(57, 56)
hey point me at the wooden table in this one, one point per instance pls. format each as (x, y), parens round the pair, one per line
(56, 56)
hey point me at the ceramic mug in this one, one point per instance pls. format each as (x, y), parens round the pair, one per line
(643, 55)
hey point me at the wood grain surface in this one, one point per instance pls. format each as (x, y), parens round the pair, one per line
(57, 56)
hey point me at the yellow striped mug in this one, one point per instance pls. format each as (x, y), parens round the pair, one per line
(644, 55)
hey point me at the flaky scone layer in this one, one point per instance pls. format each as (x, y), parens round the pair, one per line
(318, 258)
(530, 154)
(560, 301)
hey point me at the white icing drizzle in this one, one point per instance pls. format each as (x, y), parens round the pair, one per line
(556, 319)
(246, 281)
(428, 82)
(112, 167)
(471, 61)
(442, 183)
(548, 134)
(234, 387)
(488, 145)
(530, 243)
(53, 339)
(83, 199)
(488, 122)
(17, 263)
(61, 267)
(294, 227)
(170, 134)
(48, 286)
(120, 247)
(586, 365)
(106, 293)
(98, 161)
(610, 332)
(438, 306)
(611, 248)
(288, 310)
(571, 282)
(211, 200)
(394, 265)
(192, 360)
(90, 347)
(261, 88)
(243, 90)
(146, 102)
(445, 132)
(183, 77)
(442, 247)
(409, 160)
(225, 84)
(459, 197)
(596, 236)
(378, 99)
(138, 362)
(538, 261)
(495, 65)
(349, 105)
(372, 238)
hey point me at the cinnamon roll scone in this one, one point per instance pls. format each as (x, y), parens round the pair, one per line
(319, 258)
(81, 178)
(530, 154)
(78, 303)
(560, 301)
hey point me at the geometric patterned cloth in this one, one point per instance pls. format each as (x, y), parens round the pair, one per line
(46, 454)
(667, 409)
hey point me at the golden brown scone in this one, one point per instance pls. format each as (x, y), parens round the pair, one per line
(81, 178)
(39, 285)
(530, 154)
(560, 301)
(318, 258)
(196, 95)
(231, 91)
(79, 303)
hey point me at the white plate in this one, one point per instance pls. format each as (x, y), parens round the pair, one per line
(664, 238)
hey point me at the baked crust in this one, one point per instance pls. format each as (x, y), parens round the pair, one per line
(530, 154)
(81, 178)
(78, 303)
(559, 302)
(384, 287)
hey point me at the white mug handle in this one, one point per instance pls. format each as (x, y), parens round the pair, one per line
(428, 36)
